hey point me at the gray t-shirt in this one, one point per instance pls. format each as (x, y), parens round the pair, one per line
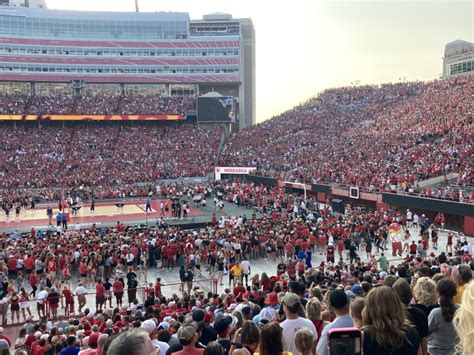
(443, 338)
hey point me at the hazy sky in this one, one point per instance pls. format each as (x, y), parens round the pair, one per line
(306, 46)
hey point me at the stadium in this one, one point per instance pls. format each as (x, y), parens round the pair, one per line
(144, 210)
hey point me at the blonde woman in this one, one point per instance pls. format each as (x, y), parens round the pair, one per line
(464, 321)
(305, 342)
(355, 310)
(425, 295)
(313, 313)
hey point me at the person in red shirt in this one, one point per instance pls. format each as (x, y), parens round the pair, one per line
(323, 241)
(41, 347)
(239, 290)
(449, 244)
(99, 295)
(117, 288)
(33, 283)
(5, 337)
(158, 287)
(413, 248)
(69, 300)
(11, 265)
(29, 264)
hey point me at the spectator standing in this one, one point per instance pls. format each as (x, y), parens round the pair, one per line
(386, 329)
(292, 307)
(442, 337)
(462, 275)
(464, 321)
(339, 303)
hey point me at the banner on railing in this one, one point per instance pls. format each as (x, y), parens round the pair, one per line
(220, 170)
(91, 117)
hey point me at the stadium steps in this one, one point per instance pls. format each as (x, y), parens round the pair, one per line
(74, 105)
(437, 180)
(158, 153)
(27, 105)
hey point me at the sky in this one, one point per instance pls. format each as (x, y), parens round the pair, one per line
(306, 46)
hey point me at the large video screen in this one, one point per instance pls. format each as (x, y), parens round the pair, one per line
(216, 109)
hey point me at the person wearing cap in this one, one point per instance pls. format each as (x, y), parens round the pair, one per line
(339, 302)
(150, 327)
(292, 306)
(188, 336)
(357, 290)
(92, 344)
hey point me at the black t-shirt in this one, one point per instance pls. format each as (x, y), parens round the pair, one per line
(419, 320)
(226, 345)
(347, 244)
(352, 250)
(426, 310)
(410, 347)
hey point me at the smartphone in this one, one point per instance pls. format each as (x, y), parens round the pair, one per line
(345, 341)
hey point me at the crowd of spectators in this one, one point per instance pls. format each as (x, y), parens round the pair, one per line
(22, 104)
(164, 105)
(13, 104)
(104, 155)
(422, 305)
(374, 137)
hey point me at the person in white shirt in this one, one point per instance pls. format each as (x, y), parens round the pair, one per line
(41, 300)
(150, 327)
(409, 218)
(291, 305)
(416, 220)
(81, 295)
(246, 270)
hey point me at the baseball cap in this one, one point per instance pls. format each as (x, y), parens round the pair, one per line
(186, 332)
(198, 315)
(338, 298)
(149, 325)
(271, 299)
(268, 313)
(357, 290)
(164, 325)
(291, 299)
(93, 339)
